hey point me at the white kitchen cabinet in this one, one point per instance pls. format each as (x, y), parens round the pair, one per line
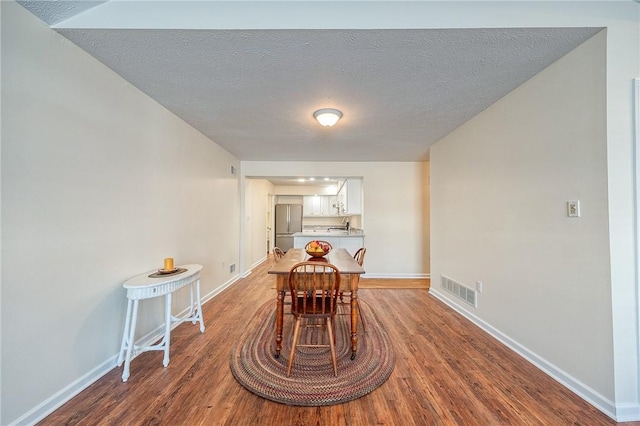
(319, 205)
(350, 197)
(328, 202)
(354, 196)
(341, 199)
(347, 202)
(312, 205)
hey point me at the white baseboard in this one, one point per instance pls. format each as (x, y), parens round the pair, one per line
(250, 269)
(627, 412)
(54, 402)
(576, 386)
(257, 263)
(216, 291)
(395, 276)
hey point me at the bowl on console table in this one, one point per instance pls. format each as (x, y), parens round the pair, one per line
(317, 248)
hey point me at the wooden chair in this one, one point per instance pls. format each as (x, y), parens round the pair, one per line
(359, 257)
(277, 253)
(314, 291)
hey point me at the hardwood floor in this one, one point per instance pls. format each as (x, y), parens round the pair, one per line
(448, 372)
(386, 283)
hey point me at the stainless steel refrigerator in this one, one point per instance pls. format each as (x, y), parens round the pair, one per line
(288, 222)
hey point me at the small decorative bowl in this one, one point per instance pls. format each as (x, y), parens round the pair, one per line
(317, 254)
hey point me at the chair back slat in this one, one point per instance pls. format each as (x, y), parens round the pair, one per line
(314, 287)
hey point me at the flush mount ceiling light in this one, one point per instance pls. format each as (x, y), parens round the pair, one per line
(327, 116)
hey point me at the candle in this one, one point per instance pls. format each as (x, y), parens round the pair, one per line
(168, 263)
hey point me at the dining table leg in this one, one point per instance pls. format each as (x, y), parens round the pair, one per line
(354, 314)
(279, 315)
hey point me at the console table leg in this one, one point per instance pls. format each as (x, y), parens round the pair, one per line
(192, 307)
(125, 333)
(167, 330)
(131, 343)
(199, 306)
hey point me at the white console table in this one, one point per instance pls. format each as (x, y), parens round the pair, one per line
(145, 287)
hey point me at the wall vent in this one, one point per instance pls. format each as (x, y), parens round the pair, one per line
(462, 292)
(232, 268)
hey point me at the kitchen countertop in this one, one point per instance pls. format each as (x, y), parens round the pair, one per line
(329, 233)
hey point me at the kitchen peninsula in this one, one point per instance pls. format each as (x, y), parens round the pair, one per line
(351, 240)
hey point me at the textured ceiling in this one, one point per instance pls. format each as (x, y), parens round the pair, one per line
(253, 92)
(54, 11)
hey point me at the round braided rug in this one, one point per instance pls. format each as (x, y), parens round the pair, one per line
(312, 381)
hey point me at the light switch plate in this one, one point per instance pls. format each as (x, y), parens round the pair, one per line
(573, 208)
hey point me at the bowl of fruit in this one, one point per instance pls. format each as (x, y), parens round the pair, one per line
(317, 248)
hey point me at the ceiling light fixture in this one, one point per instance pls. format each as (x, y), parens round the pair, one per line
(327, 116)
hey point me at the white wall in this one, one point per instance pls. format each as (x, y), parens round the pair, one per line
(395, 219)
(99, 183)
(256, 198)
(500, 184)
(1, 68)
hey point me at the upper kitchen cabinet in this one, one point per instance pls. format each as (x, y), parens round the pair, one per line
(311, 205)
(349, 197)
(320, 205)
(329, 205)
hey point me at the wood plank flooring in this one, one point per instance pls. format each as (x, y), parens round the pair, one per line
(448, 372)
(386, 283)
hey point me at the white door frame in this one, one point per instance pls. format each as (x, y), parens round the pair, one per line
(636, 100)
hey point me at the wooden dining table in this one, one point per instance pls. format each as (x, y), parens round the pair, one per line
(350, 272)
